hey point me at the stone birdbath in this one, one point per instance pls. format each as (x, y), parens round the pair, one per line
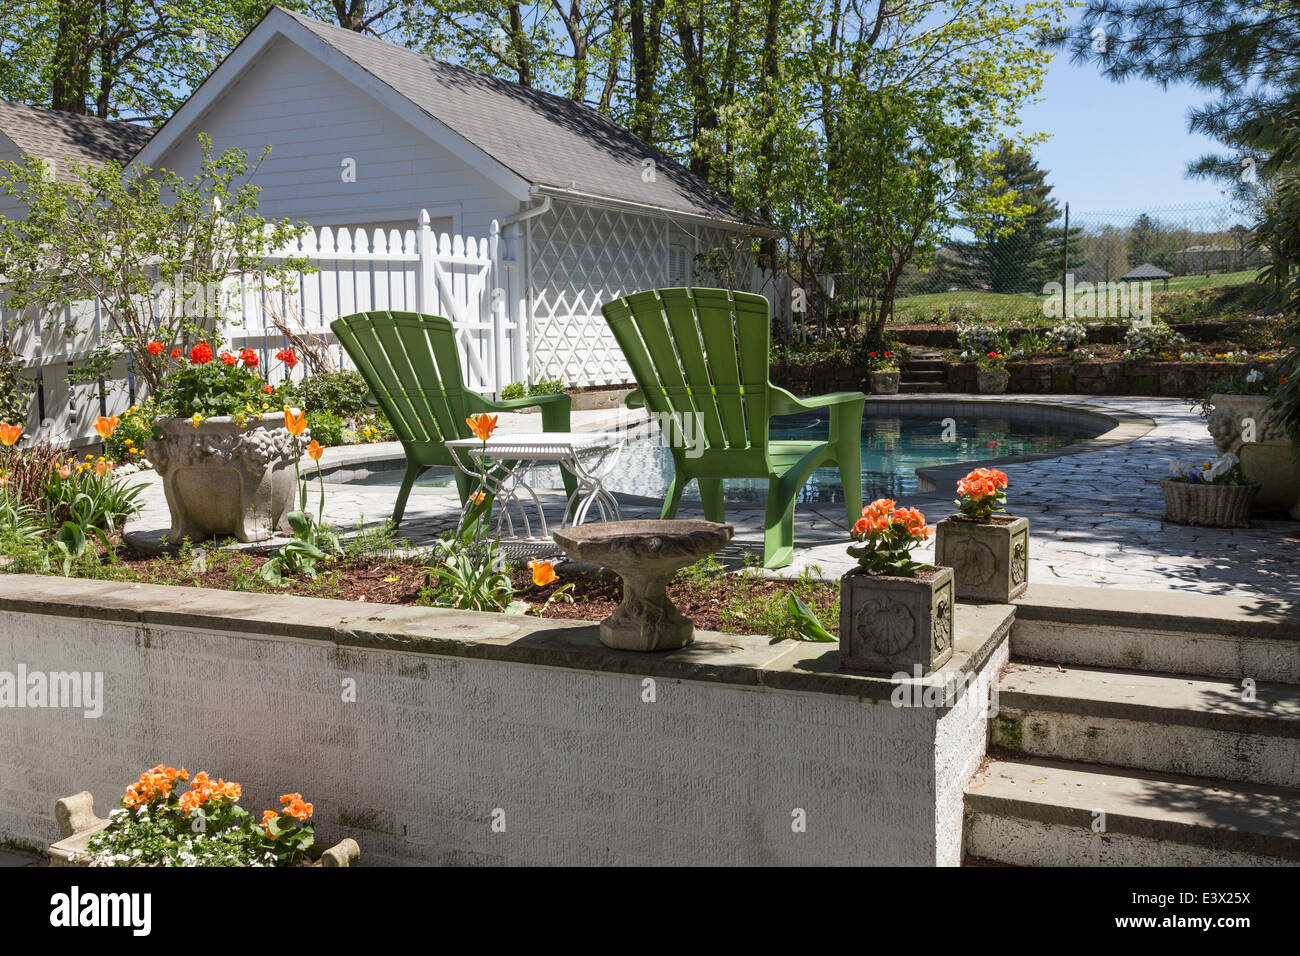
(646, 555)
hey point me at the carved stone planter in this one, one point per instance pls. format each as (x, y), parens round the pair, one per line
(1213, 506)
(885, 383)
(1270, 459)
(990, 562)
(991, 381)
(646, 555)
(890, 624)
(222, 480)
(77, 822)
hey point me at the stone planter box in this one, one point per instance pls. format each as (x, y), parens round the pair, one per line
(890, 624)
(1214, 506)
(223, 480)
(990, 562)
(1270, 459)
(77, 822)
(991, 381)
(884, 383)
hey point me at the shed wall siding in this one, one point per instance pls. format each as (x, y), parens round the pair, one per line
(314, 120)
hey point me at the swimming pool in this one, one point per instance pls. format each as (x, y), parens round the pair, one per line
(894, 446)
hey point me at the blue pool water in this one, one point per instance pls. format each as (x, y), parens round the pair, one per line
(893, 447)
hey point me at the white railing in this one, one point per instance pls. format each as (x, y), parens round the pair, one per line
(469, 280)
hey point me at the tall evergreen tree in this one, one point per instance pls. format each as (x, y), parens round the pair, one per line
(1012, 253)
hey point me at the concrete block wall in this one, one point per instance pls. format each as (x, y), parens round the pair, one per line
(575, 760)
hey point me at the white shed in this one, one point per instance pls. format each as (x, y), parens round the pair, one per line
(365, 134)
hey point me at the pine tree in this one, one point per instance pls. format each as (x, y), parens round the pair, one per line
(1012, 254)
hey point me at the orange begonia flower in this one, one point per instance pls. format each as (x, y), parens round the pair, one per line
(314, 450)
(295, 419)
(482, 425)
(9, 434)
(543, 572)
(295, 807)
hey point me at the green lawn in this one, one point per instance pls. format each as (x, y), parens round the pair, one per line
(1028, 306)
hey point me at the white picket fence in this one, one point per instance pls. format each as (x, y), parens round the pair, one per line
(508, 330)
(467, 279)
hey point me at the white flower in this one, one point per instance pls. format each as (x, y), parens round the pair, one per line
(1254, 376)
(1176, 468)
(1224, 464)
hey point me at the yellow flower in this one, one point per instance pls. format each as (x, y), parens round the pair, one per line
(195, 419)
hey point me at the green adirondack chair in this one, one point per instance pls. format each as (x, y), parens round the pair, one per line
(702, 354)
(411, 364)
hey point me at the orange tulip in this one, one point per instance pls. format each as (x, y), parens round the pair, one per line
(482, 425)
(543, 572)
(9, 434)
(105, 425)
(295, 419)
(314, 450)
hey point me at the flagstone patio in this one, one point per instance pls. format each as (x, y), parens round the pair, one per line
(1096, 517)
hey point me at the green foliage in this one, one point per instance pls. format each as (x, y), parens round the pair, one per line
(470, 575)
(172, 828)
(135, 427)
(130, 58)
(15, 388)
(154, 247)
(87, 498)
(514, 390)
(806, 623)
(211, 389)
(327, 428)
(551, 386)
(312, 540)
(343, 394)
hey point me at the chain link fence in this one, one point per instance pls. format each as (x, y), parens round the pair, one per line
(1182, 247)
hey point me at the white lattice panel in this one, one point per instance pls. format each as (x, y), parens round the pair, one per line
(581, 257)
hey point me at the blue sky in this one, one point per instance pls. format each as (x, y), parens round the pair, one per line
(1117, 146)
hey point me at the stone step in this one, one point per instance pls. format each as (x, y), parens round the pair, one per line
(1190, 725)
(911, 387)
(1167, 632)
(910, 376)
(1052, 813)
(925, 365)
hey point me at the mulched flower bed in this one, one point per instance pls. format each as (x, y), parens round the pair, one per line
(738, 603)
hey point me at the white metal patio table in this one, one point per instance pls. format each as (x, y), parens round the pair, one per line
(588, 456)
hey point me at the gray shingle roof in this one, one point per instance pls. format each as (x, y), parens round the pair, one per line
(1146, 271)
(545, 139)
(55, 137)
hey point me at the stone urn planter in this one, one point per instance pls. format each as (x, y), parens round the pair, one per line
(891, 624)
(646, 555)
(990, 562)
(223, 480)
(75, 816)
(991, 381)
(884, 383)
(1269, 458)
(1214, 506)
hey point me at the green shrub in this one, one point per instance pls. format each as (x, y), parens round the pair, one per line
(15, 389)
(546, 387)
(134, 428)
(326, 427)
(343, 394)
(514, 390)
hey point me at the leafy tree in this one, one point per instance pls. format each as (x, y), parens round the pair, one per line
(159, 251)
(132, 59)
(1012, 253)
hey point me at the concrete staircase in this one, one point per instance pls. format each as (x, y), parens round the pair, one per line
(1154, 730)
(924, 372)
